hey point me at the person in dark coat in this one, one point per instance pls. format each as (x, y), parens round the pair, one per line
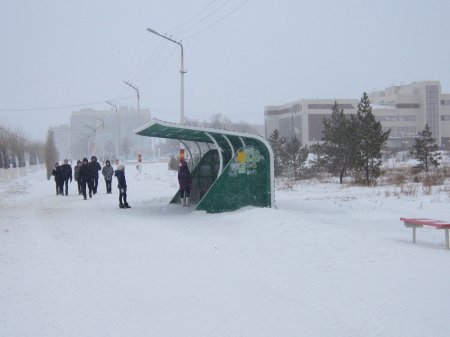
(108, 173)
(56, 172)
(84, 177)
(76, 176)
(122, 185)
(94, 167)
(66, 175)
(185, 181)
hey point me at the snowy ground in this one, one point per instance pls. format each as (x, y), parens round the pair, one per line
(329, 261)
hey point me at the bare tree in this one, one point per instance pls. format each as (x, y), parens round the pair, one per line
(51, 154)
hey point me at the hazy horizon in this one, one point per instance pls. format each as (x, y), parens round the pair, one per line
(240, 55)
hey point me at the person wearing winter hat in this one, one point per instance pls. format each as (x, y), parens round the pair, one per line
(94, 167)
(76, 176)
(185, 181)
(56, 172)
(108, 173)
(122, 186)
(84, 177)
(66, 175)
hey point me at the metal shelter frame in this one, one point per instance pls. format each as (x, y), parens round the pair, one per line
(247, 158)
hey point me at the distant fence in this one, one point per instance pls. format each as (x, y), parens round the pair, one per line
(14, 173)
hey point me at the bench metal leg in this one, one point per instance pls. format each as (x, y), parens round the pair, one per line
(414, 234)
(447, 243)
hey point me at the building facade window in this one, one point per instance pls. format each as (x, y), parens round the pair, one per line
(409, 118)
(317, 106)
(291, 127)
(315, 126)
(407, 106)
(402, 131)
(432, 109)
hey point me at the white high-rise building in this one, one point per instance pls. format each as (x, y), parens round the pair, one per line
(404, 109)
(107, 134)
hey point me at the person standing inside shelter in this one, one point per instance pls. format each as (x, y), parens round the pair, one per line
(94, 167)
(108, 173)
(66, 175)
(56, 172)
(122, 185)
(185, 181)
(76, 176)
(85, 178)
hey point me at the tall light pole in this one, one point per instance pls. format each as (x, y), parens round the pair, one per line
(139, 113)
(182, 72)
(118, 128)
(138, 97)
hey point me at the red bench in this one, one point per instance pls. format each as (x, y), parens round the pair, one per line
(438, 224)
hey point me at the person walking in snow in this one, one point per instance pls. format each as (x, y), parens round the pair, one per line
(76, 176)
(56, 172)
(94, 166)
(108, 173)
(185, 181)
(85, 178)
(66, 175)
(122, 185)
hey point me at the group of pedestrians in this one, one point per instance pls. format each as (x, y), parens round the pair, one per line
(62, 176)
(86, 174)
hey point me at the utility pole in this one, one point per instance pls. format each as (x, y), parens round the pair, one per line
(118, 128)
(139, 113)
(182, 71)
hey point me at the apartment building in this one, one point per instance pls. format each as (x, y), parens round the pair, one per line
(108, 134)
(404, 109)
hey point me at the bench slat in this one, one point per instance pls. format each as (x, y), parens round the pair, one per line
(427, 222)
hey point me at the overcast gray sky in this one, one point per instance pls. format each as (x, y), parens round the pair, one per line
(240, 55)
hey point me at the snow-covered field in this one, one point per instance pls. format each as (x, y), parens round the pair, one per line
(330, 260)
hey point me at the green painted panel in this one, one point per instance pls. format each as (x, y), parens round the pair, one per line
(243, 182)
(246, 178)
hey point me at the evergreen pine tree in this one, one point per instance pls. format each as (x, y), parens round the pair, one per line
(294, 158)
(277, 143)
(319, 163)
(370, 141)
(424, 150)
(339, 142)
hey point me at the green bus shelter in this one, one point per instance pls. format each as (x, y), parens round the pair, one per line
(235, 169)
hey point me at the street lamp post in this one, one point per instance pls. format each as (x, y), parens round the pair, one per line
(117, 137)
(102, 134)
(139, 113)
(182, 72)
(94, 131)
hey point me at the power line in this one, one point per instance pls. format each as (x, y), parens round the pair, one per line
(217, 21)
(203, 19)
(156, 55)
(63, 106)
(193, 17)
(160, 68)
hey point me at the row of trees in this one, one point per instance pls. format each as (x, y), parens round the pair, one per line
(14, 146)
(351, 144)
